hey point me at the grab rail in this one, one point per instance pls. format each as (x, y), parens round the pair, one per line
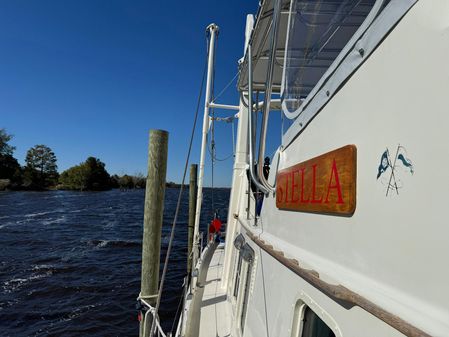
(258, 177)
(253, 174)
(268, 90)
(339, 293)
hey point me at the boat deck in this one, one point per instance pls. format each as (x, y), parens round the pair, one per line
(215, 309)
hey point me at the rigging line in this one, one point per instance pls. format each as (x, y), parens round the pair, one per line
(212, 151)
(181, 300)
(172, 234)
(226, 86)
(212, 145)
(225, 158)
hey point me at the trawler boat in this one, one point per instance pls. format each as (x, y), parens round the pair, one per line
(346, 235)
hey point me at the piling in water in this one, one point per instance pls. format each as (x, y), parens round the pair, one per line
(152, 222)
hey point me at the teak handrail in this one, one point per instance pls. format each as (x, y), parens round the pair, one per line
(340, 293)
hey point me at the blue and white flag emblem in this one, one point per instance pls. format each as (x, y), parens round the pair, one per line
(400, 160)
(402, 157)
(384, 164)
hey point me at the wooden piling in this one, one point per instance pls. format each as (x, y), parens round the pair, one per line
(152, 222)
(192, 208)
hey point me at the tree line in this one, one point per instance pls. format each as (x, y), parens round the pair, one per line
(41, 171)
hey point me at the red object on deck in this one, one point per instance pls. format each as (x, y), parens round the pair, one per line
(211, 229)
(214, 227)
(216, 223)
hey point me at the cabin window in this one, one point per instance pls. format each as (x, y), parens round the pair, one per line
(245, 295)
(247, 254)
(313, 326)
(318, 31)
(242, 284)
(237, 274)
(306, 323)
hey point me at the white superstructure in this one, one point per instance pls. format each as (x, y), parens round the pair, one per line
(371, 77)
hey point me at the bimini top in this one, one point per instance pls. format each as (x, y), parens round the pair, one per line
(308, 41)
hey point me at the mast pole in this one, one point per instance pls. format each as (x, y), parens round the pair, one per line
(212, 29)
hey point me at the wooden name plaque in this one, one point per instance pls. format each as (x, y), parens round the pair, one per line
(324, 184)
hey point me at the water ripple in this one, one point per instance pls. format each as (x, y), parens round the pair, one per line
(70, 261)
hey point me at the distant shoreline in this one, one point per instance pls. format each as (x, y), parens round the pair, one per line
(60, 188)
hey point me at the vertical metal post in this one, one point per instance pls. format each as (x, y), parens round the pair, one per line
(192, 206)
(152, 221)
(212, 30)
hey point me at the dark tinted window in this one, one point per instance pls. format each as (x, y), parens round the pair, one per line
(313, 326)
(237, 276)
(245, 299)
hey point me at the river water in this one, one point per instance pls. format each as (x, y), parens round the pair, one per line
(70, 261)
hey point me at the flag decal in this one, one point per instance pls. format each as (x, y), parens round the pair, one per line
(404, 160)
(384, 164)
(401, 159)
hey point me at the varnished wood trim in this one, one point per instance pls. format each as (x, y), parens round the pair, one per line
(340, 293)
(324, 184)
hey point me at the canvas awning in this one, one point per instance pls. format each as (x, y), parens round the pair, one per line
(318, 32)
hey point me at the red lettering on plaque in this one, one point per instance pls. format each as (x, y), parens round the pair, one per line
(314, 199)
(336, 186)
(305, 201)
(324, 184)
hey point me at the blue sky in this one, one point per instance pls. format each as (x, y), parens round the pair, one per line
(90, 78)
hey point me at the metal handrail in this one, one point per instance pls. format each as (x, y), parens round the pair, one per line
(252, 173)
(267, 97)
(258, 177)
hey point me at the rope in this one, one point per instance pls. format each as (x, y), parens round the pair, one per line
(225, 158)
(147, 297)
(181, 300)
(212, 148)
(152, 310)
(226, 87)
(172, 234)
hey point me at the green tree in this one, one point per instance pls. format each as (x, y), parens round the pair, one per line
(90, 175)
(98, 179)
(41, 169)
(5, 148)
(126, 182)
(75, 178)
(10, 169)
(9, 166)
(115, 181)
(139, 180)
